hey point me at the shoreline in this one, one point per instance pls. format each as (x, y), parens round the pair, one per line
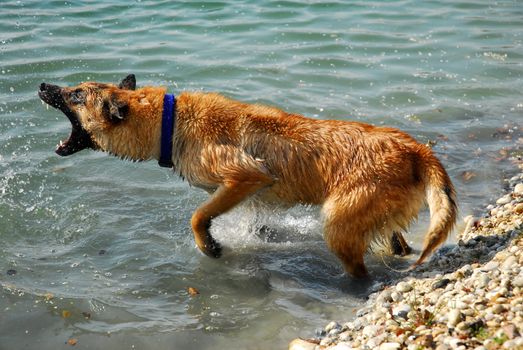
(468, 296)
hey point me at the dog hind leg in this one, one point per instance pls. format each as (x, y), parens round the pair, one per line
(347, 241)
(399, 245)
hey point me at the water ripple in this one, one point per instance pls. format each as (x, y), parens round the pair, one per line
(112, 238)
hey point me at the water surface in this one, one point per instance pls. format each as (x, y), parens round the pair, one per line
(102, 248)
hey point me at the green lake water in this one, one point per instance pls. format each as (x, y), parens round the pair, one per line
(100, 250)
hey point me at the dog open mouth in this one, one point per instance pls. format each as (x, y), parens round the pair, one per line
(79, 139)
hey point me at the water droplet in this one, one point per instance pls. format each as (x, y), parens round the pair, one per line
(12, 89)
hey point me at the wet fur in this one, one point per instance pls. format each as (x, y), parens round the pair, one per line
(370, 181)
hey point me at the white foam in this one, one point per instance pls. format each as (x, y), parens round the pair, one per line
(253, 225)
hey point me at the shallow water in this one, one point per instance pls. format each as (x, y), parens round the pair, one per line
(108, 242)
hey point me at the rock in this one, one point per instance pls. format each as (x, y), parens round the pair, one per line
(385, 296)
(509, 344)
(401, 310)
(331, 326)
(504, 200)
(490, 266)
(341, 346)
(454, 317)
(510, 331)
(509, 261)
(395, 296)
(442, 283)
(327, 341)
(370, 331)
(483, 280)
(518, 189)
(345, 336)
(403, 287)
(518, 281)
(519, 208)
(300, 344)
(460, 305)
(498, 308)
(389, 346)
(376, 341)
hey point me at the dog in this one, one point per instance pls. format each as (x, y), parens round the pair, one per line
(370, 181)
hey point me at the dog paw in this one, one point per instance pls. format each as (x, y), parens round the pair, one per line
(213, 249)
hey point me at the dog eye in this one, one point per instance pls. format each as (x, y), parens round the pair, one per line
(77, 97)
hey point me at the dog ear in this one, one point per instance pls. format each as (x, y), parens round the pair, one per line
(115, 110)
(128, 83)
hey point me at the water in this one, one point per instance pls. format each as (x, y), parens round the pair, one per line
(102, 248)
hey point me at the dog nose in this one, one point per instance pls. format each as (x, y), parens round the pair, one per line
(43, 86)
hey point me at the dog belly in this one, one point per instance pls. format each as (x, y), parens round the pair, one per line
(285, 196)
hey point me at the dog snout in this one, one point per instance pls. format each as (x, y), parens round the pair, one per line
(49, 88)
(52, 95)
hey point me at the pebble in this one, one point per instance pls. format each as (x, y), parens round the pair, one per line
(483, 280)
(386, 296)
(490, 266)
(403, 287)
(395, 296)
(507, 264)
(504, 200)
(454, 317)
(465, 288)
(442, 283)
(389, 346)
(341, 346)
(370, 331)
(300, 344)
(498, 308)
(402, 310)
(331, 326)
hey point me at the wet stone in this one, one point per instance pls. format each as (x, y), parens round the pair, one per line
(504, 200)
(403, 287)
(331, 326)
(11, 272)
(395, 296)
(401, 311)
(490, 266)
(442, 283)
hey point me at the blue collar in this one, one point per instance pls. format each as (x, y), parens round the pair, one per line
(168, 125)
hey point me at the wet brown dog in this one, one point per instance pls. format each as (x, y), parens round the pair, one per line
(370, 181)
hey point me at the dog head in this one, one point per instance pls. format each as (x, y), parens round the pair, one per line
(92, 108)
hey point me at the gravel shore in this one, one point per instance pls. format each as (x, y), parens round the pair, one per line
(468, 296)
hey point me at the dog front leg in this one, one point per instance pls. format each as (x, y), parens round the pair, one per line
(226, 197)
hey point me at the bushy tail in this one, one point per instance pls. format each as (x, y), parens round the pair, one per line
(441, 199)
